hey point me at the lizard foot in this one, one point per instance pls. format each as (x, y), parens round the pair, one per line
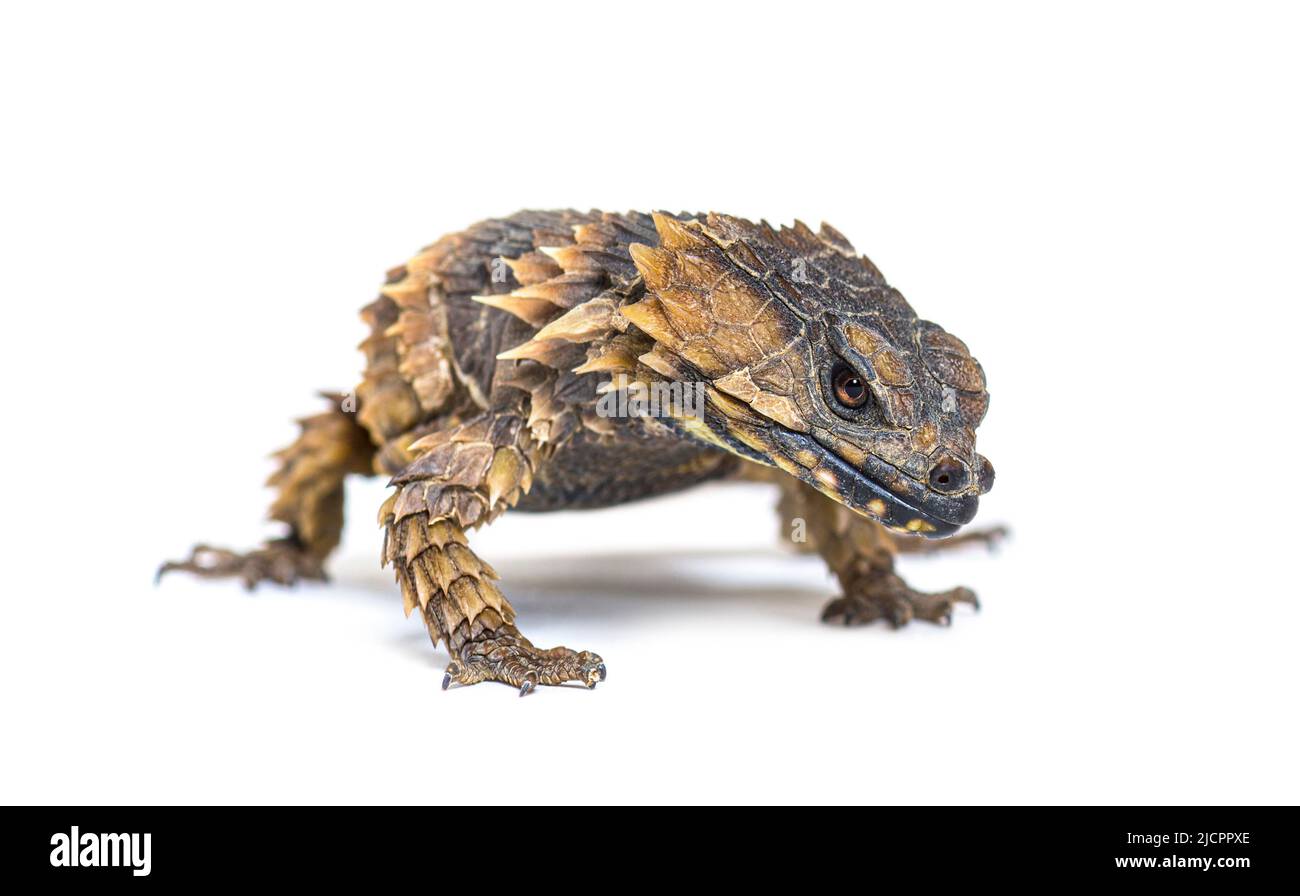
(884, 595)
(511, 659)
(914, 544)
(280, 560)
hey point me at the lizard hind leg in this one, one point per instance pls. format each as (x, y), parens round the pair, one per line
(309, 499)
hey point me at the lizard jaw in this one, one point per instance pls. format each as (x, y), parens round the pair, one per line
(880, 491)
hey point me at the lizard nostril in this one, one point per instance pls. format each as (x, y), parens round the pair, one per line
(949, 475)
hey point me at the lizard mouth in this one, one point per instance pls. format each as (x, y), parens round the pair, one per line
(880, 491)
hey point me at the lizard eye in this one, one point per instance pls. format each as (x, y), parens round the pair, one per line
(850, 389)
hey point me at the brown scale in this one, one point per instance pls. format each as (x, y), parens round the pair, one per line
(486, 359)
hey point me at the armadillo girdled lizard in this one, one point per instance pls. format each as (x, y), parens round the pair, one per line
(520, 364)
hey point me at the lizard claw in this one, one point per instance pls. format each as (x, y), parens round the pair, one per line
(591, 669)
(454, 672)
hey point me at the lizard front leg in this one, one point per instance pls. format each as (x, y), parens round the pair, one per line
(860, 553)
(462, 479)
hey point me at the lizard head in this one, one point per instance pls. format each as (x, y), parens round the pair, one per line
(815, 365)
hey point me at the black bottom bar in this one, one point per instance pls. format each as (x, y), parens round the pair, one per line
(604, 849)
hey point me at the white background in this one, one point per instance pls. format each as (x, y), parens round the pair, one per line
(1101, 202)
